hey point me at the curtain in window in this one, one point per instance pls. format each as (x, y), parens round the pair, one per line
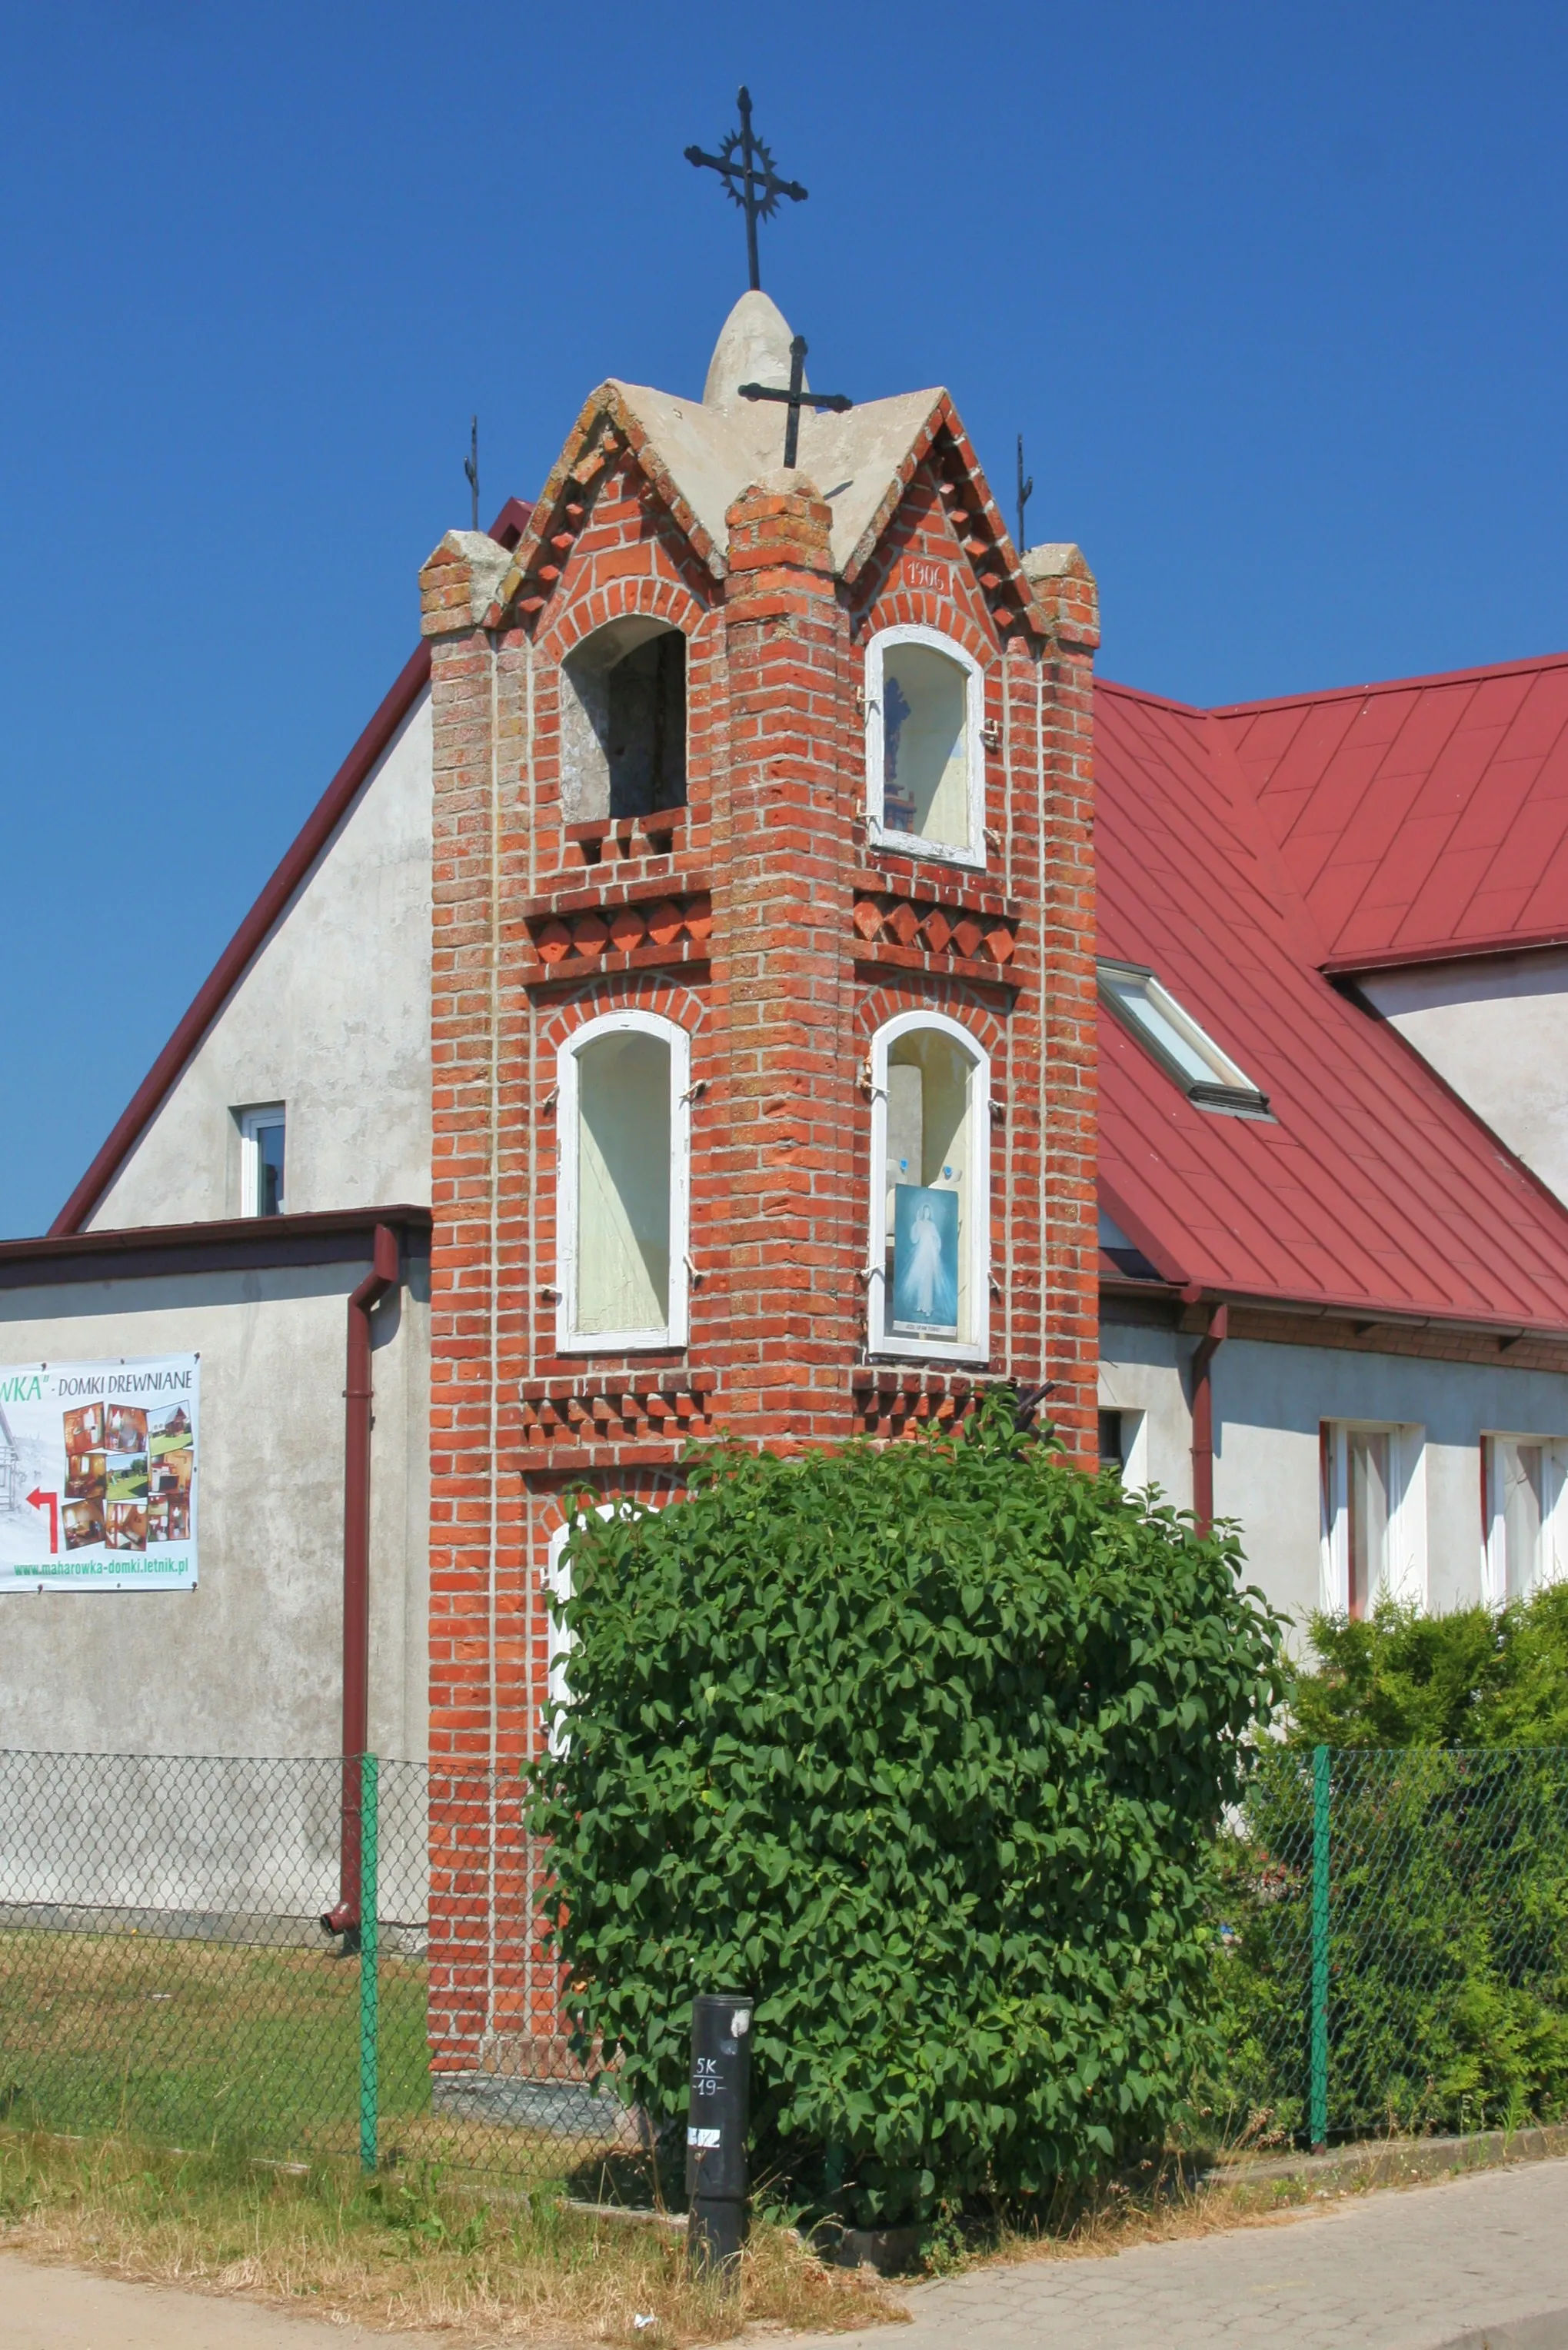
(1520, 1473)
(1368, 1469)
(623, 1184)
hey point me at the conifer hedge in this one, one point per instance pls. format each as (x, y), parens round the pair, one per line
(924, 1746)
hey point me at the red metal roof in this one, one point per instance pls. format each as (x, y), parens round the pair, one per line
(1422, 819)
(1372, 1188)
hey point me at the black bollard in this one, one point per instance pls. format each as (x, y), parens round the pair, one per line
(716, 2131)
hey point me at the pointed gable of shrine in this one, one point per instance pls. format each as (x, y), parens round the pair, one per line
(698, 456)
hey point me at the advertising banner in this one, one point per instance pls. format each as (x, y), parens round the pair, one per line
(98, 1475)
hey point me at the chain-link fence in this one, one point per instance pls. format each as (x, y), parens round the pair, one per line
(1395, 1932)
(165, 1967)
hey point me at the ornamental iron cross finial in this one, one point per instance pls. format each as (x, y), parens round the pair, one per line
(796, 396)
(746, 167)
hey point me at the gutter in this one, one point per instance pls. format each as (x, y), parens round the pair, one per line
(383, 1275)
(229, 1244)
(1363, 1316)
(1208, 1347)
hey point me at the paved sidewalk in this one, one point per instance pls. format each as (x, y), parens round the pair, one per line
(45, 2308)
(1414, 2269)
(1438, 2267)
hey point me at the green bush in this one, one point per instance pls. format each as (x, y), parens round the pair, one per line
(1448, 2005)
(1478, 1676)
(925, 1747)
(1449, 1879)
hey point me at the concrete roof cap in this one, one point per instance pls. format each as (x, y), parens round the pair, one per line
(1054, 560)
(714, 454)
(752, 347)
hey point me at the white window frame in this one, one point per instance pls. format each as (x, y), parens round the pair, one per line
(912, 844)
(1403, 1577)
(568, 1339)
(1134, 1443)
(1553, 1513)
(899, 1344)
(251, 1122)
(1227, 1090)
(558, 1591)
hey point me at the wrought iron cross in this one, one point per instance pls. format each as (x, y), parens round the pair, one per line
(796, 396)
(746, 167)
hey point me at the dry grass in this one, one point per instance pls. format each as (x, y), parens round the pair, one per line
(401, 2252)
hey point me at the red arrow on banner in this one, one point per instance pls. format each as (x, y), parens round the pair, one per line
(50, 1502)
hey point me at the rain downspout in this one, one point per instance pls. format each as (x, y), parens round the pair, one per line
(1204, 1356)
(383, 1276)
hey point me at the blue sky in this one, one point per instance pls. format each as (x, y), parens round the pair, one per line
(1276, 294)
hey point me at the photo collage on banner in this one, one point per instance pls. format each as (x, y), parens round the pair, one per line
(98, 1475)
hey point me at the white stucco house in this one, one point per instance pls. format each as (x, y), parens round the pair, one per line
(1356, 906)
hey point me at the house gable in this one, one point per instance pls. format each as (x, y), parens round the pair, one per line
(328, 1014)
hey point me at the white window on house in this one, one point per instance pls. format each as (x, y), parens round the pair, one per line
(1374, 1523)
(1123, 1445)
(930, 1268)
(1526, 1531)
(1207, 1076)
(623, 721)
(925, 756)
(623, 1160)
(261, 1160)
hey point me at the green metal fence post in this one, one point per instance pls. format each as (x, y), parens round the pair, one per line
(370, 2009)
(1320, 1822)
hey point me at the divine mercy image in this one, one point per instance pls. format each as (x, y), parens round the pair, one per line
(925, 1260)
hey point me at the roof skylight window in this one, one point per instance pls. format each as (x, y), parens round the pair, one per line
(1208, 1077)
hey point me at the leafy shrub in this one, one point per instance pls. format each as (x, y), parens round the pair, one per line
(1448, 1878)
(1447, 1945)
(925, 1747)
(1477, 1677)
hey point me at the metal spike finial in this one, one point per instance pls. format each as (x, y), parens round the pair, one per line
(470, 467)
(1025, 492)
(745, 164)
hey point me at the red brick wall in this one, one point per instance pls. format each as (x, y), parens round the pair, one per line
(742, 921)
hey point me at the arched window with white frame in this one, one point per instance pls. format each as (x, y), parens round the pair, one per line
(925, 750)
(623, 1160)
(557, 1592)
(930, 1268)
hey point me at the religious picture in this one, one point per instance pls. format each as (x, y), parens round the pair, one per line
(898, 803)
(925, 1261)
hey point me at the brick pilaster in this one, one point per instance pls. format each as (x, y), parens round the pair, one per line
(479, 1897)
(782, 976)
(1066, 592)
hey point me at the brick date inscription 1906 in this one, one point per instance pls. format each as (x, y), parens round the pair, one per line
(920, 571)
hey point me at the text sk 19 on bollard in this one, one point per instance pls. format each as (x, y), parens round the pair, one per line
(716, 2130)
